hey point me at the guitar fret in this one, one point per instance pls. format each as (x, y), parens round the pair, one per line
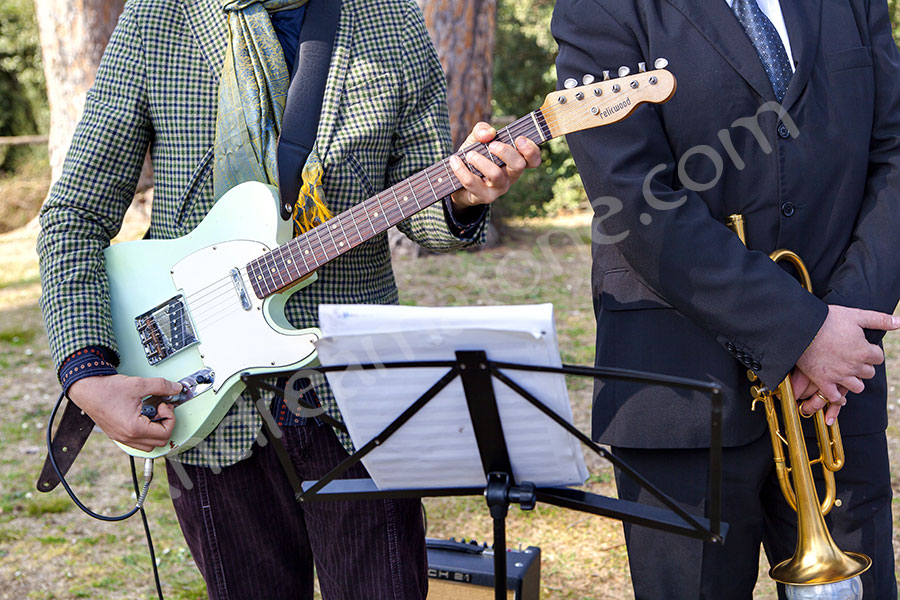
(369, 219)
(277, 267)
(490, 154)
(413, 192)
(344, 233)
(321, 245)
(295, 241)
(450, 175)
(290, 262)
(353, 220)
(509, 133)
(537, 127)
(311, 252)
(383, 213)
(269, 270)
(331, 235)
(428, 179)
(394, 192)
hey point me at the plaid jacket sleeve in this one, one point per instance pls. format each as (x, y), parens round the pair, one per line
(422, 137)
(88, 202)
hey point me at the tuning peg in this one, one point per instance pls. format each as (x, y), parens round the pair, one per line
(660, 63)
(588, 79)
(642, 67)
(605, 75)
(570, 83)
(623, 71)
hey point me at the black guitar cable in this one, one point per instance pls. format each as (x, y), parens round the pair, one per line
(141, 493)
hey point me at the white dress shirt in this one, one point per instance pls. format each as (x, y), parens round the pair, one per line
(772, 9)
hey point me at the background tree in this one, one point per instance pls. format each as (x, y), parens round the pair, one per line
(463, 33)
(73, 35)
(23, 102)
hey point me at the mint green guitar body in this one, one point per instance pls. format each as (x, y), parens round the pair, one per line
(184, 306)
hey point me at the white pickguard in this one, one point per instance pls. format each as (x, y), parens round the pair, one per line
(241, 226)
(233, 340)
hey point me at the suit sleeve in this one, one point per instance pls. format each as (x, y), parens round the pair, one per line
(87, 204)
(685, 255)
(422, 138)
(869, 276)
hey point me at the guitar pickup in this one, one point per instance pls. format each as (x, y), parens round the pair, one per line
(165, 330)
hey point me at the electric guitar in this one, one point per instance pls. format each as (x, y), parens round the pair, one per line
(205, 308)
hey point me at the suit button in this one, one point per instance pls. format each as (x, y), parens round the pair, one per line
(783, 132)
(747, 361)
(729, 346)
(787, 209)
(739, 354)
(756, 366)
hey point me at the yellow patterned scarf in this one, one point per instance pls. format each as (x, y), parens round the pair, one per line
(253, 88)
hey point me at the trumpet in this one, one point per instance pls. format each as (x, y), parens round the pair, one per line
(817, 560)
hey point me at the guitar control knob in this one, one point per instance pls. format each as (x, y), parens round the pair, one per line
(660, 63)
(605, 75)
(642, 67)
(588, 79)
(624, 71)
(570, 83)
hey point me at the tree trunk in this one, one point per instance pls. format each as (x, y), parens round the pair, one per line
(463, 33)
(73, 34)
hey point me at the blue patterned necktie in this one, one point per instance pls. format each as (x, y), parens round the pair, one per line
(767, 42)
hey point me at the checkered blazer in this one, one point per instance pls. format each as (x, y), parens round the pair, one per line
(384, 117)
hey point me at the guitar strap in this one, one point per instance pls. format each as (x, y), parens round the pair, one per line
(304, 100)
(298, 134)
(73, 431)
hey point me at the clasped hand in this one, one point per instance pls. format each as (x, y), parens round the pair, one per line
(839, 359)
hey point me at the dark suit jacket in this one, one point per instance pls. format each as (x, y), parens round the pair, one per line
(677, 292)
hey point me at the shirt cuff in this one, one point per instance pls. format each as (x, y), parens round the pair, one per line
(88, 362)
(467, 222)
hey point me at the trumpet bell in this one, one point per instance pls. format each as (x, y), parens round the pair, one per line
(821, 564)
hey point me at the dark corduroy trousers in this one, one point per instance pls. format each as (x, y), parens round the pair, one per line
(251, 539)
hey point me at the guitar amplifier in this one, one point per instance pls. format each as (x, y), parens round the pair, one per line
(465, 571)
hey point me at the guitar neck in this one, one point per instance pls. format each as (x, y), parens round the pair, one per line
(291, 262)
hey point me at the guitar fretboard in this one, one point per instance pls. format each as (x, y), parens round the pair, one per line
(291, 262)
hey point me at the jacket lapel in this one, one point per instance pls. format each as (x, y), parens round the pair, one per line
(803, 21)
(716, 22)
(337, 72)
(207, 23)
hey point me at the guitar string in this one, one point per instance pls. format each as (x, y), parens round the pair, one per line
(214, 293)
(422, 184)
(415, 182)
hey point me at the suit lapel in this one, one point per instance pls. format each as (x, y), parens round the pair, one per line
(208, 25)
(714, 19)
(803, 21)
(334, 86)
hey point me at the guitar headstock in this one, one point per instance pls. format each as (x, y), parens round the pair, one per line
(596, 103)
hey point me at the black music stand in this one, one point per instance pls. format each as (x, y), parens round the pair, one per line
(477, 373)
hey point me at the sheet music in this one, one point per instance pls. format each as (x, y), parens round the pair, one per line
(437, 447)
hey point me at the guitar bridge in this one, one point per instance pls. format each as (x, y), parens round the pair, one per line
(165, 330)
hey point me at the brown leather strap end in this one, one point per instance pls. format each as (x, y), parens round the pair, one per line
(73, 431)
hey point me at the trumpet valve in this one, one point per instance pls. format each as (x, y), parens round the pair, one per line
(751, 375)
(759, 392)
